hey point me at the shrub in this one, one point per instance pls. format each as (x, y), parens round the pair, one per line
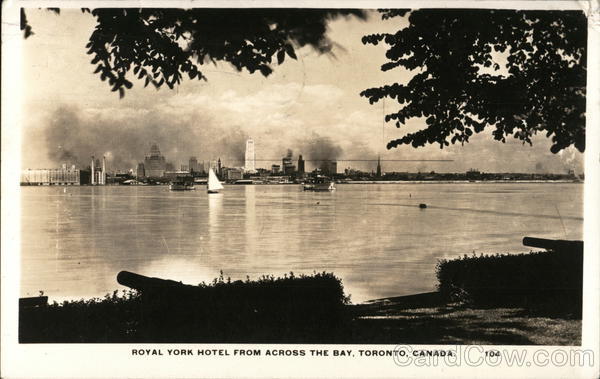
(113, 318)
(522, 280)
(299, 309)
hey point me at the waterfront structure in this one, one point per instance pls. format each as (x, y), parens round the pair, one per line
(275, 169)
(175, 174)
(193, 164)
(98, 175)
(250, 157)
(103, 175)
(140, 172)
(155, 163)
(93, 171)
(51, 176)
(329, 167)
(300, 165)
(235, 174)
(287, 167)
(473, 174)
(219, 168)
(184, 167)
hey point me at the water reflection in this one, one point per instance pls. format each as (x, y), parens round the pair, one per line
(215, 215)
(250, 229)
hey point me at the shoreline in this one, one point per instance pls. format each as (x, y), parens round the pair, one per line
(456, 181)
(426, 319)
(561, 181)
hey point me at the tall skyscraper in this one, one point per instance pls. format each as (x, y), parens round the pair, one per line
(98, 173)
(378, 173)
(300, 165)
(93, 169)
(250, 161)
(155, 163)
(103, 170)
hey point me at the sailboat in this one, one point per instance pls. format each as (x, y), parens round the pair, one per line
(213, 185)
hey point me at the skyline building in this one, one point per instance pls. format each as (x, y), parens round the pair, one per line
(193, 164)
(98, 175)
(287, 167)
(93, 171)
(140, 172)
(329, 167)
(378, 173)
(155, 164)
(250, 157)
(300, 165)
(53, 176)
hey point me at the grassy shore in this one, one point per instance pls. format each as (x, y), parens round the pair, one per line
(384, 321)
(427, 319)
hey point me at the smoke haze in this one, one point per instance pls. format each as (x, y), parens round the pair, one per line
(73, 138)
(321, 148)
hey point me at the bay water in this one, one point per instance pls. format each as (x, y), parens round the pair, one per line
(75, 240)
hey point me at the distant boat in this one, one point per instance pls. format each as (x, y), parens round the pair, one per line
(182, 184)
(213, 185)
(319, 184)
(422, 205)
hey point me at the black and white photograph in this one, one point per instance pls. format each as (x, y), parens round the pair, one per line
(337, 182)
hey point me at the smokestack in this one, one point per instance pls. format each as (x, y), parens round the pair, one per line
(92, 176)
(103, 170)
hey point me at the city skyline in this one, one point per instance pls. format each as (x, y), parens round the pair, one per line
(322, 164)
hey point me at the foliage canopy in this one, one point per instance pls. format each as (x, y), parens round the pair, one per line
(162, 45)
(459, 86)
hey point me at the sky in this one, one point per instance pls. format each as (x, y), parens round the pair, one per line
(310, 106)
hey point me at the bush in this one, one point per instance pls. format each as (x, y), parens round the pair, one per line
(298, 309)
(113, 318)
(552, 278)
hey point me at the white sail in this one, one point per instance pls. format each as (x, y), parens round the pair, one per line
(213, 184)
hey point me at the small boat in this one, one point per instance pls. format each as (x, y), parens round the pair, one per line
(182, 184)
(319, 184)
(213, 185)
(422, 205)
